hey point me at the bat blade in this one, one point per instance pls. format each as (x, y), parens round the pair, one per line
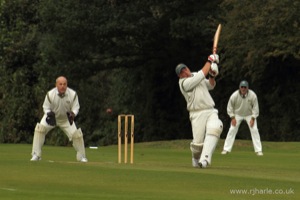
(216, 39)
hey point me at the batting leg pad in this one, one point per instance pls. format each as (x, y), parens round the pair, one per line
(78, 144)
(214, 127)
(210, 143)
(196, 150)
(40, 132)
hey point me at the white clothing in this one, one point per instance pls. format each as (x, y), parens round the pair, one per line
(243, 109)
(60, 106)
(200, 105)
(237, 105)
(198, 121)
(195, 91)
(234, 129)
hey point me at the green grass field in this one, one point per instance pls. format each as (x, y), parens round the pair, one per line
(161, 170)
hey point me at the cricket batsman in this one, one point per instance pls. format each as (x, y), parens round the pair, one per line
(206, 125)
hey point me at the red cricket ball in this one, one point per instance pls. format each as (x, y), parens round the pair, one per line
(108, 110)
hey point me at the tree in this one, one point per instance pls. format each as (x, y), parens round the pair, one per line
(260, 42)
(18, 54)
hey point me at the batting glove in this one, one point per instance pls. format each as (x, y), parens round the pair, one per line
(214, 58)
(214, 70)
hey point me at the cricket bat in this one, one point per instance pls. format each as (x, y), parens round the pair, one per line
(216, 39)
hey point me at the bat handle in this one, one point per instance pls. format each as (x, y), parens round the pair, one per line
(214, 50)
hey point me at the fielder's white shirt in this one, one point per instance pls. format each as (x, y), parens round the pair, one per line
(195, 90)
(61, 105)
(248, 106)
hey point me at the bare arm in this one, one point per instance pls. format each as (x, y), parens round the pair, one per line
(205, 71)
(206, 68)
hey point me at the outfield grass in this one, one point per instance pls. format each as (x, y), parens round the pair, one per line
(162, 170)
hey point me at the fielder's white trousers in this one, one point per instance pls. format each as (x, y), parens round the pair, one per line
(234, 129)
(64, 125)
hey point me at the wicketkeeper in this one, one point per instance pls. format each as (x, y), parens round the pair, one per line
(60, 107)
(206, 125)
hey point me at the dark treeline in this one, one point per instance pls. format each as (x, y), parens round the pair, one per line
(121, 54)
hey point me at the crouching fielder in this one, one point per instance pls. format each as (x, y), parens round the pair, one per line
(206, 125)
(60, 107)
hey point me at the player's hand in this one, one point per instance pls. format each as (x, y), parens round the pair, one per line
(233, 122)
(71, 117)
(50, 119)
(213, 58)
(252, 122)
(214, 70)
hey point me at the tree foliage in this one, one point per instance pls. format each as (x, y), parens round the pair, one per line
(257, 32)
(18, 55)
(260, 42)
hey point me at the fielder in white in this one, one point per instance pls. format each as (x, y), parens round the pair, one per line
(60, 107)
(206, 125)
(243, 106)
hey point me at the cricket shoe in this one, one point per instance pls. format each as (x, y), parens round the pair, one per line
(203, 164)
(84, 160)
(224, 152)
(259, 153)
(35, 158)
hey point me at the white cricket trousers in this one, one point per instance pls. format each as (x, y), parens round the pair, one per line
(199, 120)
(234, 129)
(65, 126)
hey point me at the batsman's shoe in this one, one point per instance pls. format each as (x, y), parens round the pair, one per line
(35, 158)
(259, 153)
(203, 164)
(84, 160)
(195, 162)
(224, 152)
